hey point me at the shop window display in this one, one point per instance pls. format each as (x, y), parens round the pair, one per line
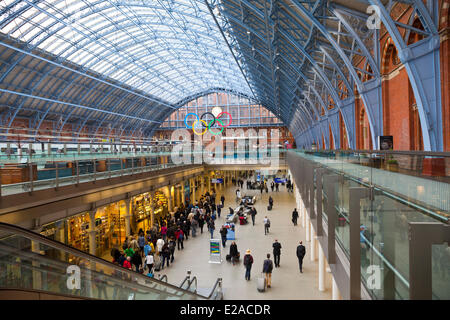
(78, 236)
(142, 212)
(161, 209)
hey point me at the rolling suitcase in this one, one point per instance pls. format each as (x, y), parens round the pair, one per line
(157, 266)
(261, 283)
(269, 208)
(228, 257)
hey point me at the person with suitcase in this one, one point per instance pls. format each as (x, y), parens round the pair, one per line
(266, 225)
(234, 253)
(248, 261)
(267, 270)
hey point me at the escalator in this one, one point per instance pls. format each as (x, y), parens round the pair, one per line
(30, 262)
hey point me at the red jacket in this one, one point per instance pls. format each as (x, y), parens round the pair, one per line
(178, 232)
(127, 264)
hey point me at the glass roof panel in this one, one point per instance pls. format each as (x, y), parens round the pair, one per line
(175, 44)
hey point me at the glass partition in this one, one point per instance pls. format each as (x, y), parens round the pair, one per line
(393, 200)
(31, 262)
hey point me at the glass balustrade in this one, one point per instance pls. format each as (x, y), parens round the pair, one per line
(29, 261)
(393, 201)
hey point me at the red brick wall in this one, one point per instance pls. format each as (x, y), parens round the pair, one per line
(445, 70)
(397, 102)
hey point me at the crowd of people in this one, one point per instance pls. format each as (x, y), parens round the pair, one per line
(153, 250)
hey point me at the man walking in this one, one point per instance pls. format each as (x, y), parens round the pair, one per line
(253, 213)
(267, 270)
(223, 232)
(301, 251)
(295, 216)
(276, 253)
(211, 227)
(219, 210)
(266, 225)
(222, 199)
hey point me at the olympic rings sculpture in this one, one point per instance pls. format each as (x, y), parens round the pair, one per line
(206, 125)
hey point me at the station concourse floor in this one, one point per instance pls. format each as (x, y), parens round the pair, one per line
(287, 281)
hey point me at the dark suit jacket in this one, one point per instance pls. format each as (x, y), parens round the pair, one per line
(301, 251)
(276, 248)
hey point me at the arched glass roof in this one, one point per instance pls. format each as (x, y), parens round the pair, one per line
(305, 61)
(168, 49)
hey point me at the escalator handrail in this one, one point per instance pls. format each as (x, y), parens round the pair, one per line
(15, 230)
(218, 281)
(105, 276)
(190, 283)
(184, 280)
(161, 278)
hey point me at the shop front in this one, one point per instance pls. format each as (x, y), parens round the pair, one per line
(142, 214)
(109, 224)
(161, 208)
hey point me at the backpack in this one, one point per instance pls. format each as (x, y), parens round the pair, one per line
(268, 223)
(248, 259)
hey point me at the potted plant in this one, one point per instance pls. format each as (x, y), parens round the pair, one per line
(392, 165)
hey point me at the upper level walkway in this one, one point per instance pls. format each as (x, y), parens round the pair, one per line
(45, 171)
(408, 181)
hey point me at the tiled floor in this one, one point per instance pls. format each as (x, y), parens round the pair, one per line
(287, 282)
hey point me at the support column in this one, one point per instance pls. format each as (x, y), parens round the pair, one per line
(308, 227)
(303, 213)
(127, 217)
(169, 198)
(335, 294)
(183, 199)
(313, 242)
(152, 209)
(193, 191)
(208, 181)
(321, 269)
(92, 233)
(202, 186)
